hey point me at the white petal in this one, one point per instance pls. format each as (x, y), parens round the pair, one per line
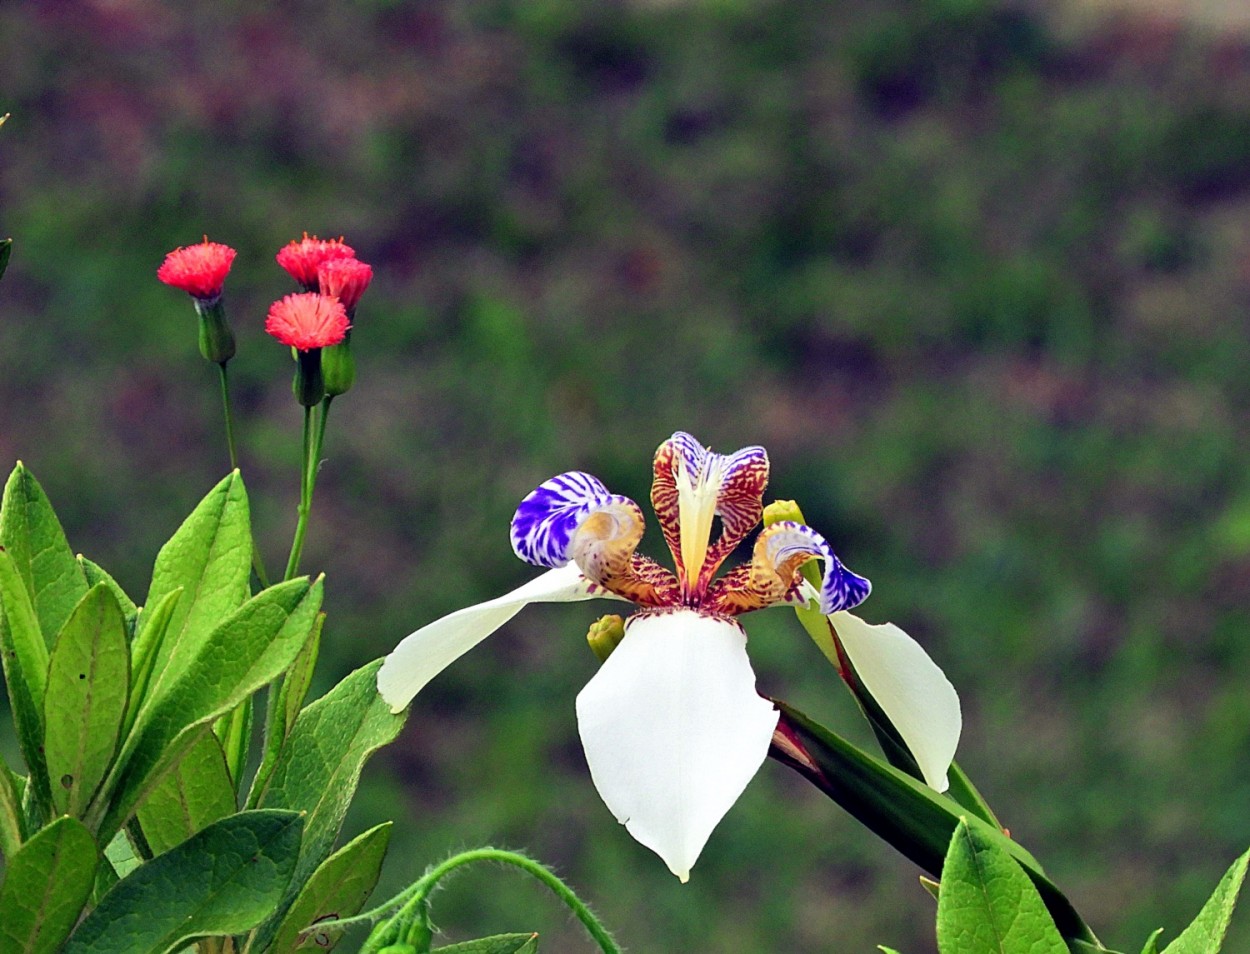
(909, 687)
(431, 649)
(674, 730)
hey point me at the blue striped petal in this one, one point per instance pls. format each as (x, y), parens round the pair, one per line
(544, 523)
(840, 589)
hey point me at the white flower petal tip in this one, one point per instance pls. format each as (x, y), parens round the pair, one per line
(674, 730)
(431, 649)
(910, 688)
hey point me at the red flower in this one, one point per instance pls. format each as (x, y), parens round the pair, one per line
(308, 321)
(346, 279)
(199, 270)
(302, 259)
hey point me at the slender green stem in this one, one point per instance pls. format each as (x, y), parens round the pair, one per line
(258, 562)
(417, 894)
(305, 499)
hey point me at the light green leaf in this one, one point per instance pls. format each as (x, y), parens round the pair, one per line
(988, 905)
(24, 655)
(210, 559)
(320, 765)
(151, 628)
(499, 944)
(234, 732)
(249, 649)
(32, 535)
(224, 880)
(297, 680)
(196, 793)
(88, 683)
(47, 883)
(1152, 942)
(1205, 934)
(11, 828)
(97, 574)
(338, 889)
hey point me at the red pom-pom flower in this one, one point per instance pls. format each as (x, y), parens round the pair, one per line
(199, 270)
(302, 259)
(308, 320)
(344, 278)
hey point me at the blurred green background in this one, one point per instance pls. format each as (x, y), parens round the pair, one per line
(977, 274)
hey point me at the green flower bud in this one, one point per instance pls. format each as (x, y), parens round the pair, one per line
(338, 367)
(605, 635)
(216, 338)
(309, 386)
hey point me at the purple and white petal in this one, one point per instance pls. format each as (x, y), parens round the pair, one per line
(544, 523)
(840, 589)
(674, 729)
(431, 649)
(910, 688)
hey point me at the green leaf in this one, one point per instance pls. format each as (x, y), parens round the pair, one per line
(11, 827)
(88, 684)
(246, 651)
(886, 950)
(47, 883)
(94, 574)
(988, 905)
(32, 535)
(196, 793)
(224, 880)
(1152, 942)
(320, 765)
(285, 708)
(499, 944)
(24, 655)
(1206, 934)
(151, 628)
(210, 559)
(904, 812)
(338, 889)
(6, 246)
(234, 732)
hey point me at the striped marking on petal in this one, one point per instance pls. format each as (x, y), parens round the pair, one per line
(739, 503)
(679, 452)
(544, 523)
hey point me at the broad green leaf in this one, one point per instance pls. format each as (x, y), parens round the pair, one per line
(249, 649)
(1152, 942)
(210, 559)
(1206, 934)
(902, 811)
(224, 880)
(24, 655)
(499, 944)
(32, 535)
(150, 630)
(988, 905)
(88, 683)
(337, 889)
(11, 827)
(97, 574)
(196, 793)
(320, 765)
(45, 887)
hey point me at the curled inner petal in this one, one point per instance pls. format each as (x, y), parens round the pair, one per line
(773, 573)
(603, 548)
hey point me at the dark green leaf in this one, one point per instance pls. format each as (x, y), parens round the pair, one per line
(234, 732)
(6, 246)
(248, 650)
(210, 559)
(88, 683)
(1205, 934)
(32, 535)
(94, 574)
(11, 827)
(499, 944)
(988, 905)
(320, 765)
(224, 880)
(47, 883)
(196, 793)
(24, 655)
(904, 812)
(337, 889)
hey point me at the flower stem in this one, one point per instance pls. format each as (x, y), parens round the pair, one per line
(258, 562)
(314, 438)
(416, 896)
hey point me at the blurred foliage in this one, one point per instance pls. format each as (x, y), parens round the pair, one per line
(976, 279)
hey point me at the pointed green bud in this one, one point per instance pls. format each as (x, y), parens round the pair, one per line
(216, 338)
(605, 635)
(309, 386)
(780, 510)
(338, 367)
